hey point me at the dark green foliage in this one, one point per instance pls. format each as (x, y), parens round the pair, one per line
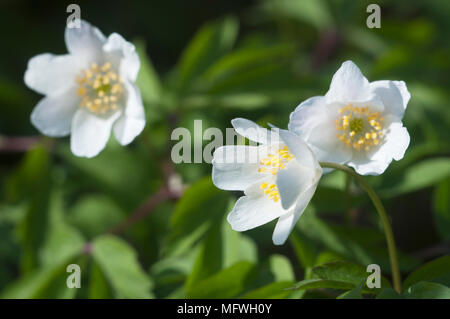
(259, 61)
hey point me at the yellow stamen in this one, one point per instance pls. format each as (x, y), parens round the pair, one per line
(99, 88)
(358, 127)
(272, 164)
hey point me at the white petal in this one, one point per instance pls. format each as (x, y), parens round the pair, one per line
(397, 142)
(393, 94)
(85, 43)
(287, 222)
(394, 147)
(124, 53)
(254, 132)
(293, 181)
(253, 211)
(132, 122)
(53, 114)
(348, 84)
(134, 106)
(300, 174)
(313, 120)
(307, 115)
(326, 146)
(235, 167)
(90, 133)
(51, 74)
(126, 128)
(304, 200)
(283, 228)
(365, 166)
(404, 92)
(299, 149)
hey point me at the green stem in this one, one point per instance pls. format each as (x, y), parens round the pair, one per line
(384, 220)
(348, 207)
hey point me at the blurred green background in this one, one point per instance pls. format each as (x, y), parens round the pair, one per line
(215, 60)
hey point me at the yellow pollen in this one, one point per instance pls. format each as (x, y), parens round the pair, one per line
(275, 162)
(271, 191)
(272, 164)
(100, 88)
(358, 127)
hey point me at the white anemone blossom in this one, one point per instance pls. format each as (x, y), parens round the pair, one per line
(89, 91)
(279, 177)
(357, 122)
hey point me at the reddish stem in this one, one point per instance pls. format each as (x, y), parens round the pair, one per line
(18, 144)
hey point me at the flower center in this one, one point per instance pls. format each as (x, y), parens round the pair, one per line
(99, 88)
(358, 127)
(272, 164)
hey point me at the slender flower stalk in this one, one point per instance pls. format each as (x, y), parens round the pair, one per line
(393, 257)
(18, 144)
(142, 211)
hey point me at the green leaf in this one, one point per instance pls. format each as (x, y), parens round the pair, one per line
(304, 249)
(316, 283)
(281, 268)
(98, 284)
(437, 271)
(441, 209)
(170, 274)
(315, 228)
(227, 283)
(331, 200)
(276, 290)
(147, 80)
(334, 180)
(239, 62)
(247, 100)
(119, 264)
(95, 214)
(209, 260)
(45, 282)
(312, 12)
(222, 247)
(344, 271)
(115, 171)
(209, 43)
(366, 40)
(326, 257)
(202, 205)
(237, 246)
(33, 171)
(427, 290)
(61, 240)
(360, 244)
(33, 228)
(31, 184)
(388, 293)
(418, 176)
(355, 293)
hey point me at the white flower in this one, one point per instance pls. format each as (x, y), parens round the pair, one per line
(278, 177)
(357, 122)
(89, 91)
